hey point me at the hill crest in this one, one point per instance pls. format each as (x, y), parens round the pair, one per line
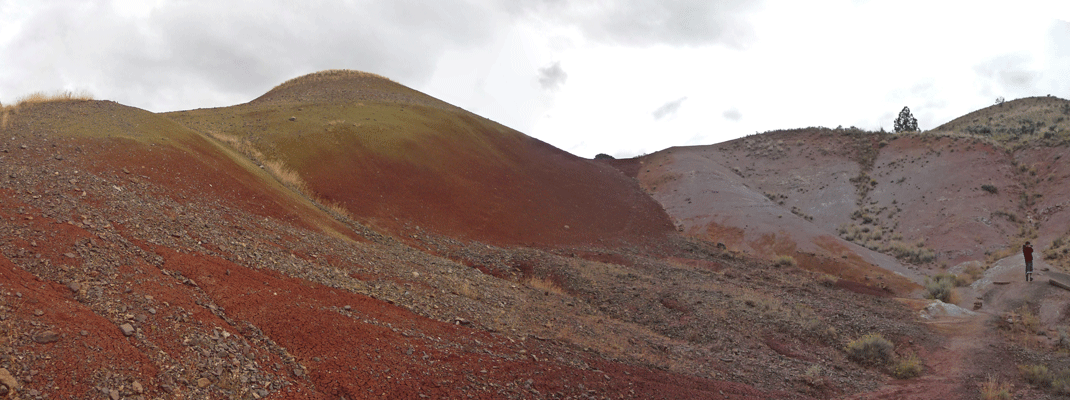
(345, 86)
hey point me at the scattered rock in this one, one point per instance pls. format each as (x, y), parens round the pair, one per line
(84, 333)
(46, 337)
(7, 380)
(74, 286)
(203, 382)
(293, 118)
(113, 394)
(127, 329)
(38, 312)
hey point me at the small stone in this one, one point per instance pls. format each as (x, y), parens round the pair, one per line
(149, 297)
(84, 333)
(152, 311)
(203, 382)
(137, 387)
(74, 286)
(113, 394)
(298, 372)
(38, 312)
(7, 380)
(46, 337)
(127, 329)
(347, 308)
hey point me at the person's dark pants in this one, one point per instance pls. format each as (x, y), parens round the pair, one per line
(1028, 271)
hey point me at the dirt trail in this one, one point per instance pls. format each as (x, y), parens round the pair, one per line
(975, 347)
(947, 370)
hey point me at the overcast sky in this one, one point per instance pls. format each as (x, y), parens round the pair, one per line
(619, 77)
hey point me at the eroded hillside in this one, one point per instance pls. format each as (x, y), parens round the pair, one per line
(934, 199)
(343, 236)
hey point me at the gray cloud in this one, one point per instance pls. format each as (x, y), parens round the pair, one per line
(184, 54)
(649, 22)
(552, 76)
(732, 114)
(1010, 73)
(669, 108)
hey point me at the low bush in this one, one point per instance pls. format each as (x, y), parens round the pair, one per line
(1036, 375)
(907, 367)
(872, 349)
(941, 287)
(990, 189)
(785, 261)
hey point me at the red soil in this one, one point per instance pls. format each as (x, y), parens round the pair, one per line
(379, 350)
(534, 195)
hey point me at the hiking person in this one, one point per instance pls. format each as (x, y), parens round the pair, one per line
(1027, 251)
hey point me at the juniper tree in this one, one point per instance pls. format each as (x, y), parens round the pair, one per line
(906, 122)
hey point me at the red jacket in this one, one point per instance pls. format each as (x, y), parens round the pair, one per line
(1027, 250)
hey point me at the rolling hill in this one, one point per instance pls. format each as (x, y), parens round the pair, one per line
(344, 236)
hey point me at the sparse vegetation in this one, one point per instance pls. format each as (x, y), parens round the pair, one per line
(1058, 253)
(1036, 375)
(907, 367)
(63, 95)
(993, 389)
(785, 261)
(990, 188)
(916, 253)
(37, 98)
(872, 349)
(545, 285)
(329, 75)
(941, 287)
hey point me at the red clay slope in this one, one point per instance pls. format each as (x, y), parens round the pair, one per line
(401, 160)
(112, 217)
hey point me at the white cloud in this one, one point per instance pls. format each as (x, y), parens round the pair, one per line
(668, 109)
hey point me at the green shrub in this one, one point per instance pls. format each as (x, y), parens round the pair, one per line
(990, 189)
(785, 261)
(1036, 375)
(907, 367)
(872, 349)
(942, 287)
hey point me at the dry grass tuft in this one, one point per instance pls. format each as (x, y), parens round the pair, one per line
(907, 367)
(785, 261)
(545, 285)
(63, 95)
(39, 98)
(993, 389)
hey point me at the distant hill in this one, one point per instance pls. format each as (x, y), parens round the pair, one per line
(1045, 119)
(972, 189)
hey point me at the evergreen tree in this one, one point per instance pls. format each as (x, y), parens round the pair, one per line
(906, 122)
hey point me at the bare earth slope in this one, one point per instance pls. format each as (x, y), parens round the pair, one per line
(404, 161)
(346, 237)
